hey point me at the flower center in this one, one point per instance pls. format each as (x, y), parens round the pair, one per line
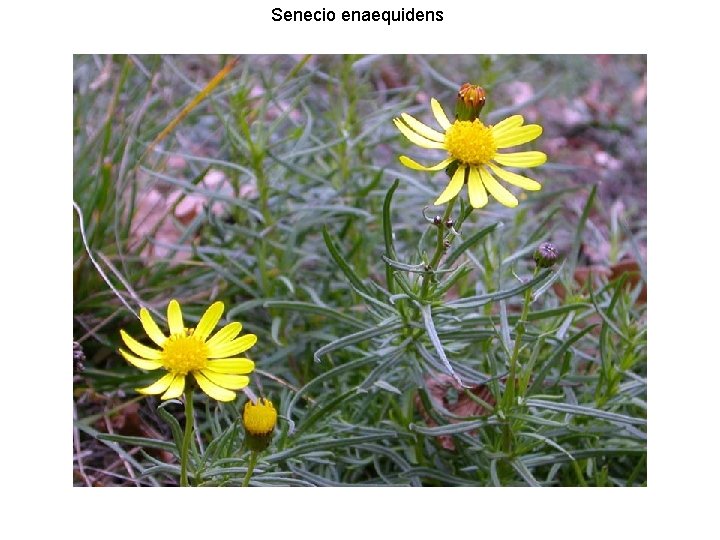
(183, 353)
(470, 142)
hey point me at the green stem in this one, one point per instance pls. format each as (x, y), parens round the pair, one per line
(250, 468)
(439, 248)
(189, 417)
(509, 397)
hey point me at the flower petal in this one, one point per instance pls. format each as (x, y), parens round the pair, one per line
(453, 188)
(440, 115)
(476, 190)
(521, 159)
(422, 129)
(228, 333)
(515, 179)
(412, 164)
(233, 382)
(234, 366)
(209, 320)
(141, 363)
(520, 135)
(414, 137)
(151, 327)
(228, 348)
(138, 348)
(175, 389)
(511, 122)
(496, 190)
(159, 386)
(175, 318)
(212, 389)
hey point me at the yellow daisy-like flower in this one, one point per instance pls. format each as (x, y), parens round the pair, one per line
(474, 147)
(188, 350)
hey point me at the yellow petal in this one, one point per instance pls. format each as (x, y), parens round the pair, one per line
(138, 348)
(209, 320)
(141, 362)
(411, 164)
(440, 115)
(453, 188)
(212, 389)
(159, 386)
(228, 348)
(511, 122)
(235, 366)
(175, 389)
(151, 327)
(228, 333)
(520, 135)
(476, 190)
(414, 137)
(233, 382)
(496, 190)
(422, 129)
(515, 179)
(521, 159)
(175, 318)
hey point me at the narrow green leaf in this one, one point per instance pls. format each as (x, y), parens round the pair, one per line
(584, 411)
(388, 234)
(448, 429)
(476, 301)
(435, 340)
(358, 337)
(467, 244)
(342, 263)
(577, 241)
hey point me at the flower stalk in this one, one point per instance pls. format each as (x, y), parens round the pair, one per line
(187, 437)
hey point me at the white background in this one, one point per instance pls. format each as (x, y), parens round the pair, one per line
(39, 40)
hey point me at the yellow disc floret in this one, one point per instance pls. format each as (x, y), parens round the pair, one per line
(259, 418)
(470, 142)
(183, 353)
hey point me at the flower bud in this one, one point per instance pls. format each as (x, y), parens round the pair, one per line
(545, 255)
(259, 419)
(470, 101)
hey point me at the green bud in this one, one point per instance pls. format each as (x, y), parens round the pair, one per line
(545, 255)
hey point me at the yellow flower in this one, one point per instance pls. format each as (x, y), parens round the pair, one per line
(259, 418)
(188, 350)
(474, 147)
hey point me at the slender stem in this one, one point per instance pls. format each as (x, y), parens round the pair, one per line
(189, 421)
(509, 397)
(439, 248)
(250, 468)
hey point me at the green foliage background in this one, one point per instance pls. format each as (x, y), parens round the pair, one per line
(321, 259)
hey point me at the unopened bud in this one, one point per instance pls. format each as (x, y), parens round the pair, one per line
(259, 420)
(545, 255)
(470, 101)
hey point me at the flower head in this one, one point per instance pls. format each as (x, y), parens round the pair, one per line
(212, 362)
(473, 148)
(259, 419)
(545, 255)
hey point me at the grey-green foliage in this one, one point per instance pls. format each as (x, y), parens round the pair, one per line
(325, 263)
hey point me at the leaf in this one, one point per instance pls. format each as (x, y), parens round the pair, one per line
(482, 299)
(343, 264)
(467, 244)
(435, 340)
(584, 411)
